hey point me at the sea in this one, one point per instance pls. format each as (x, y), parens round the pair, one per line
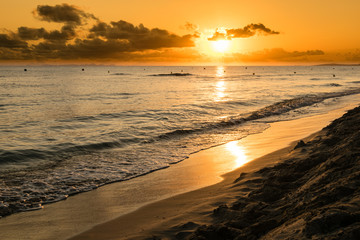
(71, 129)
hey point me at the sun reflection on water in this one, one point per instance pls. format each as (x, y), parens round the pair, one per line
(220, 86)
(220, 72)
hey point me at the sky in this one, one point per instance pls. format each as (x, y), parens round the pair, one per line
(186, 32)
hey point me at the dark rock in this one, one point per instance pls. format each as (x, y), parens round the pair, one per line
(183, 234)
(215, 232)
(329, 221)
(300, 144)
(221, 210)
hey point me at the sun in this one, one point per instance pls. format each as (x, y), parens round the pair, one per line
(221, 46)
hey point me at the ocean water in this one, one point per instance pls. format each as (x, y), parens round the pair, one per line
(65, 131)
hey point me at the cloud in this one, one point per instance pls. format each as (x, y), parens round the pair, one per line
(276, 55)
(120, 40)
(63, 13)
(67, 32)
(190, 27)
(112, 50)
(26, 33)
(140, 37)
(249, 31)
(218, 36)
(115, 40)
(245, 32)
(12, 43)
(353, 56)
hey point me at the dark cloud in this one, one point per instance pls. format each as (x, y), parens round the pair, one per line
(63, 13)
(140, 37)
(245, 32)
(116, 40)
(8, 42)
(110, 50)
(158, 38)
(26, 33)
(96, 48)
(118, 30)
(249, 31)
(67, 32)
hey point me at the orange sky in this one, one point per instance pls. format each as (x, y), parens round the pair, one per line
(293, 32)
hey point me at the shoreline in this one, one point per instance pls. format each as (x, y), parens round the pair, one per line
(72, 217)
(192, 209)
(310, 190)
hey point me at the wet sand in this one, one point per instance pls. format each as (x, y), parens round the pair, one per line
(167, 201)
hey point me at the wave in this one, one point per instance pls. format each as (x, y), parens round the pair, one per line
(120, 74)
(271, 110)
(62, 151)
(291, 104)
(171, 74)
(58, 152)
(335, 85)
(21, 155)
(175, 133)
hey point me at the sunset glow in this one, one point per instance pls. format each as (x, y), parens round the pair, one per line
(221, 45)
(193, 33)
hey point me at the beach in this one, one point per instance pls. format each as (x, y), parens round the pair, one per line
(309, 191)
(179, 120)
(103, 167)
(66, 131)
(159, 209)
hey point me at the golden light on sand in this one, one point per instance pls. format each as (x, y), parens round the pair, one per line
(221, 46)
(239, 152)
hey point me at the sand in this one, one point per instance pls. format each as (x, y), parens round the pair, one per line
(188, 200)
(309, 190)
